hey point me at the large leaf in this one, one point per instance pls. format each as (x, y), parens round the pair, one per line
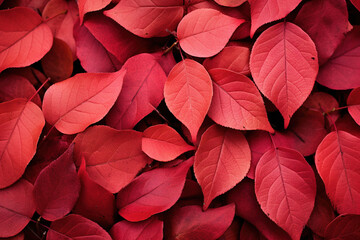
(142, 91)
(284, 65)
(345, 227)
(158, 17)
(152, 192)
(86, 6)
(72, 105)
(221, 161)
(353, 103)
(16, 208)
(236, 102)
(285, 188)
(113, 157)
(188, 92)
(25, 38)
(21, 123)
(337, 161)
(205, 32)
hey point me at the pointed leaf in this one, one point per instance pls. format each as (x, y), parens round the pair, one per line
(237, 102)
(16, 208)
(337, 161)
(285, 188)
(25, 38)
(188, 92)
(205, 32)
(345, 227)
(86, 6)
(163, 143)
(21, 123)
(152, 192)
(353, 103)
(72, 105)
(221, 161)
(113, 157)
(284, 65)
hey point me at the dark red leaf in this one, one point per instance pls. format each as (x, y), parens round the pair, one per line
(230, 3)
(353, 103)
(356, 3)
(86, 6)
(345, 227)
(249, 232)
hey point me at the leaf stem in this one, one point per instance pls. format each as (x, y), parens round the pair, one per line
(42, 85)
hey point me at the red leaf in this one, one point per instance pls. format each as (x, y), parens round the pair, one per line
(25, 37)
(230, 3)
(221, 161)
(190, 222)
(205, 32)
(346, 123)
(88, 98)
(344, 227)
(356, 3)
(142, 91)
(113, 157)
(285, 188)
(237, 102)
(265, 11)
(76, 227)
(86, 6)
(249, 232)
(188, 92)
(331, 17)
(341, 71)
(21, 124)
(353, 103)
(284, 65)
(152, 192)
(150, 229)
(233, 232)
(163, 143)
(158, 18)
(16, 208)
(57, 187)
(95, 202)
(337, 161)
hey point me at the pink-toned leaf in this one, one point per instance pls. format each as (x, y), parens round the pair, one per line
(86, 6)
(188, 92)
(21, 123)
(205, 32)
(16, 208)
(151, 229)
(341, 70)
(285, 188)
(166, 61)
(57, 187)
(345, 227)
(72, 105)
(142, 91)
(163, 143)
(152, 192)
(95, 202)
(346, 123)
(190, 222)
(338, 164)
(249, 232)
(353, 103)
(158, 18)
(113, 157)
(331, 16)
(222, 160)
(76, 227)
(284, 66)
(230, 3)
(265, 11)
(236, 102)
(25, 37)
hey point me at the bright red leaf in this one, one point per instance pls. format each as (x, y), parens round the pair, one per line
(230, 3)
(345, 227)
(285, 188)
(284, 66)
(16, 208)
(86, 6)
(205, 32)
(21, 123)
(222, 160)
(152, 192)
(88, 98)
(337, 162)
(353, 103)
(188, 92)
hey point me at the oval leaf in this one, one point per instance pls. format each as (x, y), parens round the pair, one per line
(353, 103)
(285, 187)
(284, 65)
(221, 161)
(230, 3)
(344, 227)
(21, 124)
(86, 6)
(188, 92)
(337, 161)
(72, 105)
(205, 32)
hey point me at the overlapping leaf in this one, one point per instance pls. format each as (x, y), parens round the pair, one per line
(345, 226)
(353, 102)
(86, 6)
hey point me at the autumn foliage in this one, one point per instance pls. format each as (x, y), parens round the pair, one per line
(179, 119)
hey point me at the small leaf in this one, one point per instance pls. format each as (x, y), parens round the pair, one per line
(230, 3)
(344, 227)
(353, 102)
(86, 6)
